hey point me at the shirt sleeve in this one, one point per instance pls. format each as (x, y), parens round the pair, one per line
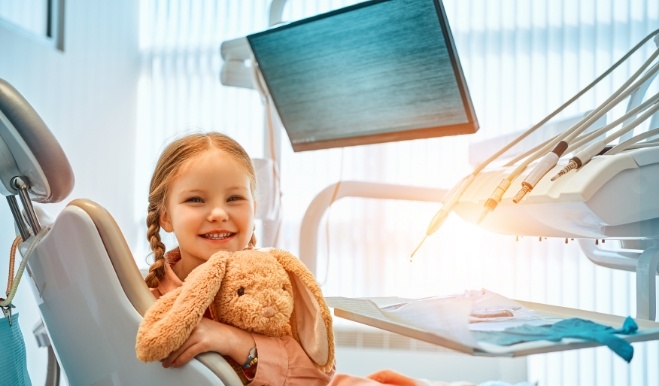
(282, 361)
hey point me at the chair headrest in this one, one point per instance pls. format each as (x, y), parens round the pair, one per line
(29, 150)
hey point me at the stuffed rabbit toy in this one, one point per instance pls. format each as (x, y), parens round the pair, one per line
(268, 292)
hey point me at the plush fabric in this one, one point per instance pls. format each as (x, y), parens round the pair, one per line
(265, 292)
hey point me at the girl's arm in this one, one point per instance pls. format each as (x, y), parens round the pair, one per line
(279, 359)
(210, 335)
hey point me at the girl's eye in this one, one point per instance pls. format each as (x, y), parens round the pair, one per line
(241, 291)
(234, 198)
(194, 199)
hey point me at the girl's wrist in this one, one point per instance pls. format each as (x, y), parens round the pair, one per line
(239, 345)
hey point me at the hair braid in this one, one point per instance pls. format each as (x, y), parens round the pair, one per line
(157, 269)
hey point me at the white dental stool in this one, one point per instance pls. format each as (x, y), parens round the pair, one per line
(90, 292)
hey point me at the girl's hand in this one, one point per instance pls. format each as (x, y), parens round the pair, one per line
(210, 335)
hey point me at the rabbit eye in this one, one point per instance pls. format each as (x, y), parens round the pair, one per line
(241, 291)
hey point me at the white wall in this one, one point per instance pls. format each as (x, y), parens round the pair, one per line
(87, 96)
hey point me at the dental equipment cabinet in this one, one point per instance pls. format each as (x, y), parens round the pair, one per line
(611, 196)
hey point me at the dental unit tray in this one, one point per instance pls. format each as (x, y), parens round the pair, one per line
(613, 196)
(368, 311)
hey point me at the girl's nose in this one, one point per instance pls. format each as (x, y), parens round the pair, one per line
(218, 214)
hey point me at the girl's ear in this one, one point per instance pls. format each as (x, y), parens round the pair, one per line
(165, 222)
(171, 319)
(311, 321)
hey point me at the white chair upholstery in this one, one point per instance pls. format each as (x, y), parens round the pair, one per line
(92, 297)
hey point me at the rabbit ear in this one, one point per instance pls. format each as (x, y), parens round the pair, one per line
(311, 321)
(171, 319)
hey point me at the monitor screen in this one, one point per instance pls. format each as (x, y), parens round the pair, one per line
(377, 71)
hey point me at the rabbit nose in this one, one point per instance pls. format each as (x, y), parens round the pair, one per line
(268, 312)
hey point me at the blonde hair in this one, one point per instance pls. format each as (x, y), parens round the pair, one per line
(167, 168)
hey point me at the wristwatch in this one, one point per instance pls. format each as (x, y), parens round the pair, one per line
(249, 367)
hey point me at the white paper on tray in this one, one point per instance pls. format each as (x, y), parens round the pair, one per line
(455, 316)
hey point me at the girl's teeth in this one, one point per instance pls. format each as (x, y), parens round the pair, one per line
(218, 237)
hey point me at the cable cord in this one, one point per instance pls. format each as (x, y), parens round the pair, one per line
(631, 141)
(570, 134)
(543, 150)
(643, 145)
(604, 129)
(275, 171)
(551, 115)
(583, 156)
(561, 142)
(648, 143)
(632, 125)
(268, 105)
(621, 93)
(12, 258)
(12, 282)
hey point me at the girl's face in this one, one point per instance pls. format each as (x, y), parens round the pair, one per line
(210, 207)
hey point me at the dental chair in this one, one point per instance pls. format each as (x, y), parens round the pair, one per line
(90, 292)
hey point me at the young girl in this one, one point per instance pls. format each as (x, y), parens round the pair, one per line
(202, 190)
